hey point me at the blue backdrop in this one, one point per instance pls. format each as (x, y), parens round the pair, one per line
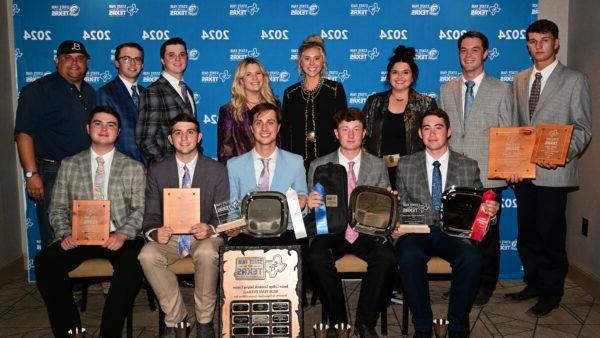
(359, 35)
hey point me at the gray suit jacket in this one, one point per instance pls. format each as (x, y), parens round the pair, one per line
(413, 186)
(125, 191)
(159, 103)
(564, 100)
(209, 175)
(492, 107)
(373, 171)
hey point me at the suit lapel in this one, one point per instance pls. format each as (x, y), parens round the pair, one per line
(456, 90)
(551, 87)
(85, 166)
(116, 167)
(524, 85)
(422, 177)
(365, 168)
(173, 174)
(279, 171)
(451, 175)
(171, 92)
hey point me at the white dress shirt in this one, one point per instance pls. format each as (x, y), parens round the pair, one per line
(463, 87)
(175, 84)
(258, 166)
(443, 168)
(545, 75)
(108, 157)
(128, 85)
(344, 161)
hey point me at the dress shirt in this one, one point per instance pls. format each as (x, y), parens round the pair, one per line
(174, 82)
(443, 168)
(463, 87)
(191, 165)
(129, 84)
(108, 157)
(344, 161)
(545, 75)
(258, 166)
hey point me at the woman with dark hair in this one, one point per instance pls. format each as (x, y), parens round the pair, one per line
(250, 86)
(309, 105)
(392, 115)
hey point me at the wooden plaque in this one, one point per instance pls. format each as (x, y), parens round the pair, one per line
(552, 143)
(510, 152)
(181, 208)
(91, 221)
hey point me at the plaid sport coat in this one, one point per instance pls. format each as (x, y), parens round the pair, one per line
(125, 191)
(159, 103)
(413, 185)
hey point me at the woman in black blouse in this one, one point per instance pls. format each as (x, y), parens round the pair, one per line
(309, 105)
(392, 115)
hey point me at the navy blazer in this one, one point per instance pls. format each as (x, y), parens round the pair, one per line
(115, 95)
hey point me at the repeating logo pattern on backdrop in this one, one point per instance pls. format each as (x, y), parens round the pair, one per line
(359, 36)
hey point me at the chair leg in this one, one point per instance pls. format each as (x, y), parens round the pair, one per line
(384, 327)
(130, 323)
(161, 321)
(84, 295)
(150, 295)
(404, 316)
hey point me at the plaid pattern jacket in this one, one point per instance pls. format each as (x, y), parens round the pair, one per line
(125, 191)
(413, 185)
(159, 103)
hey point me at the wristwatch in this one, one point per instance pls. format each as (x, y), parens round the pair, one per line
(29, 174)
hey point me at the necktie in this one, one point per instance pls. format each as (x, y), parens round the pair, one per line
(186, 98)
(99, 180)
(436, 187)
(350, 234)
(534, 96)
(183, 245)
(263, 180)
(468, 99)
(135, 96)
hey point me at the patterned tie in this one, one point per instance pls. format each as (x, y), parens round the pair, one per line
(183, 245)
(135, 96)
(436, 187)
(186, 98)
(350, 234)
(99, 180)
(263, 180)
(468, 99)
(534, 96)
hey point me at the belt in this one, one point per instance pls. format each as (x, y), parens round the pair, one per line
(48, 161)
(391, 160)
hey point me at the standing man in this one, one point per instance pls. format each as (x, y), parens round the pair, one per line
(50, 125)
(123, 95)
(187, 168)
(266, 168)
(421, 178)
(548, 93)
(363, 169)
(164, 99)
(476, 102)
(103, 173)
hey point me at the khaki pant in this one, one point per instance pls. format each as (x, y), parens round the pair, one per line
(155, 258)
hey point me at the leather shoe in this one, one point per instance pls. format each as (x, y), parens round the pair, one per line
(481, 299)
(522, 295)
(205, 330)
(331, 333)
(423, 334)
(543, 307)
(364, 331)
(458, 334)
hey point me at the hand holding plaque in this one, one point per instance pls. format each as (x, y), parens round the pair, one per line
(181, 208)
(91, 221)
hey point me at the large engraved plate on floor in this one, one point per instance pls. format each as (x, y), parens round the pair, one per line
(510, 152)
(373, 210)
(260, 292)
(91, 221)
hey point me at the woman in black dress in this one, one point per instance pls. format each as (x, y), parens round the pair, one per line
(392, 115)
(309, 105)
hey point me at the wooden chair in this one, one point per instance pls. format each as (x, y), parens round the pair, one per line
(95, 269)
(437, 269)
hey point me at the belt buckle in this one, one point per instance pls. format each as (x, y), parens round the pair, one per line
(391, 160)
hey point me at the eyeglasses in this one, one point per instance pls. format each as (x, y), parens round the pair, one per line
(175, 56)
(129, 59)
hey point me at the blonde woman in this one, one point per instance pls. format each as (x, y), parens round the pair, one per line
(250, 87)
(309, 105)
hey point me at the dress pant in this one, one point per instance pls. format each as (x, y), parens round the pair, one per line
(489, 248)
(155, 259)
(414, 251)
(541, 239)
(52, 266)
(47, 172)
(375, 287)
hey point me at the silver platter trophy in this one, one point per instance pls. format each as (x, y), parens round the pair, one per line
(266, 213)
(459, 209)
(373, 210)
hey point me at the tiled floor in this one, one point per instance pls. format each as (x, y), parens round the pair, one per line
(22, 313)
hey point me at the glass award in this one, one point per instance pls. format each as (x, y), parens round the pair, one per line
(229, 215)
(413, 217)
(373, 210)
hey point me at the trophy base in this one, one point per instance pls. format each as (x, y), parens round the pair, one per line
(415, 228)
(231, 225)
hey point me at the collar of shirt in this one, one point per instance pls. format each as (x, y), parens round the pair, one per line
(108, 157)
(463, 87)
(344, 161)
(545, 74)
(258, 164)
(175, 84)
(443, 168)
(128, 85)
(191, 165)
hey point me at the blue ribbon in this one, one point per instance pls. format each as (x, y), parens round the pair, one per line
(321, 213)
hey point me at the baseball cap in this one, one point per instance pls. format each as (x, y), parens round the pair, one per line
(72, 46)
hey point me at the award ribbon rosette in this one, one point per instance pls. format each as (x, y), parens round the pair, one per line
(482, 220)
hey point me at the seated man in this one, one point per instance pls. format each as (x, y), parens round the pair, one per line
(101, 173)
(265, 168)
(363, 169)
(420, 178)
(187, 168)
